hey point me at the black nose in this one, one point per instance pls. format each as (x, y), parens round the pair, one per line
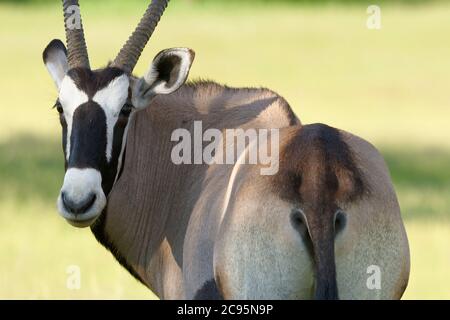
(78, 207)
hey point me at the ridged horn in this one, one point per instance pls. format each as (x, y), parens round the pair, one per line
(76, 44)
(131, 51)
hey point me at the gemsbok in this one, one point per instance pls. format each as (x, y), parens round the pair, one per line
(326, 225)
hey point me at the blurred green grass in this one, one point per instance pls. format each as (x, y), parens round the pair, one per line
(388, 86)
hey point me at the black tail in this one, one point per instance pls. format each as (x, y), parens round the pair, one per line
(325, 267)
(319, 234)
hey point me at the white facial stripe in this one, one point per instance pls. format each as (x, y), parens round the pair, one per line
(111, 99)
(70, 98)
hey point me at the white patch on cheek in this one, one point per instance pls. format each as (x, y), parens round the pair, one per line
(111, 99)
(70, 98)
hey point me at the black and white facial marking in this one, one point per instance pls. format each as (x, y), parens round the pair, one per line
(94, 115)
(94, 109)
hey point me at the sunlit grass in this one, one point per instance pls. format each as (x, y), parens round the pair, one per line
(430, 260)
(388, 86)
(38, 247)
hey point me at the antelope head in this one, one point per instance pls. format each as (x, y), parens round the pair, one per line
(95, 106)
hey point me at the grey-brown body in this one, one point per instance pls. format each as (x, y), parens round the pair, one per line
(225, 231)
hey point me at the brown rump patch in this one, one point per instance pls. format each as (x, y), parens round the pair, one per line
(317, 165)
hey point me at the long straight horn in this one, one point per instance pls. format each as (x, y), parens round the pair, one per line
(76, 44)
(131, 51)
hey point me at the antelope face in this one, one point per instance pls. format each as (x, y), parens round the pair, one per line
(94, 110)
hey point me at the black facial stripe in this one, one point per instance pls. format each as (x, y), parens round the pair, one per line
(92, 81)
(64, 139)
(88, 137)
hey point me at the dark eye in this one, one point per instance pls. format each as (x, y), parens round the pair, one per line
(126, 110)
(58, 107)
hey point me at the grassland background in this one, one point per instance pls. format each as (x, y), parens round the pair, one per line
(390, 86)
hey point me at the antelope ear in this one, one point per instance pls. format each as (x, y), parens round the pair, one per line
(168, 72)
(55, 59)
